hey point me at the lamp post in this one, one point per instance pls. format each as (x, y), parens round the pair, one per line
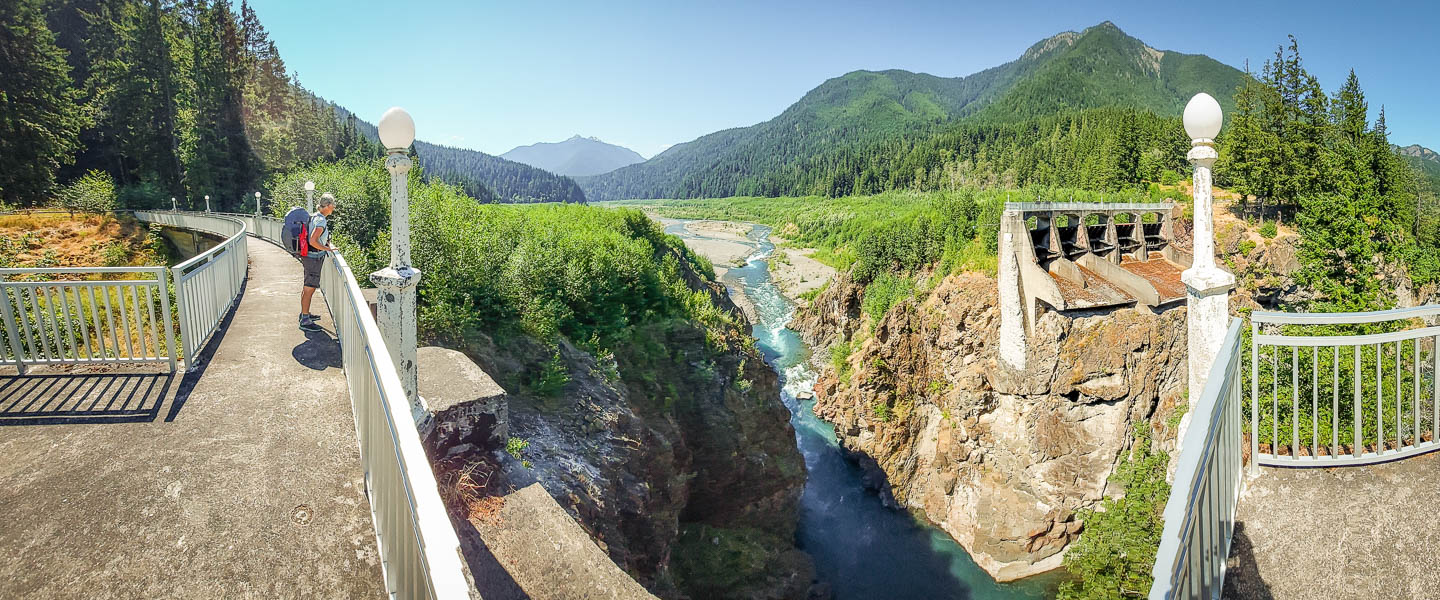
(173, 207)
(207, 203)
(397, 282)
(310, 197)
(1207, 286)
(257, 204)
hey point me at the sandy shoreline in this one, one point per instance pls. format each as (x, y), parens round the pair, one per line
(726, 245)
(796, 273)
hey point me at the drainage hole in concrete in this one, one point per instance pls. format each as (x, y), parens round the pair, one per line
(301, 515)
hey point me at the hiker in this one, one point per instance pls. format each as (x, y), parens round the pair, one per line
(319, 244)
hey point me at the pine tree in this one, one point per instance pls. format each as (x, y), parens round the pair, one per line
(40, 114)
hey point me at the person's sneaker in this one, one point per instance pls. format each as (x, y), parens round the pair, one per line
(310, 326)
(309, 317)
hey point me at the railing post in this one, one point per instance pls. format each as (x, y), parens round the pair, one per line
(182, 304)
(162, 276)
(1254, 398)
(10, 331)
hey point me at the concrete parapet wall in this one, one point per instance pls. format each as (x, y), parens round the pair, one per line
(463, 404)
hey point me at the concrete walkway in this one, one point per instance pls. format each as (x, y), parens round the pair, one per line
(242, 481)
(1354, 532)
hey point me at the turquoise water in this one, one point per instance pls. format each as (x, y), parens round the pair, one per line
(864, 550)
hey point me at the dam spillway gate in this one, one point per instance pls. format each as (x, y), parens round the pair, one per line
(1088, 255)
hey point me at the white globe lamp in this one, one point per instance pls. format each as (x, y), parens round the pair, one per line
(397, 129)
(309, 186)
(1203, 117)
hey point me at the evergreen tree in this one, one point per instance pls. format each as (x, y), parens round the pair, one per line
(40, 115)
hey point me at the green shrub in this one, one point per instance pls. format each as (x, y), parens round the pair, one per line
(1115, 553)
(811, 295)
(515, 446)
(885, 291)
(552, 378)
(114, 254)
(1169, 177)
(1246, 246)
(1268, 230)
(840, 356)
(92, 192)
(882, 412)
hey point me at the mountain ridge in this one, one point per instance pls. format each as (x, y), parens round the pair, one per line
(485, 177)
(901, 107)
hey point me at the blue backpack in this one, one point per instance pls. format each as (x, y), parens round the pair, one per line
(295, 234)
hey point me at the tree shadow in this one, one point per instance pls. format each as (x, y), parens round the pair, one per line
(1242, 575)
(82, 399)
(319, 351)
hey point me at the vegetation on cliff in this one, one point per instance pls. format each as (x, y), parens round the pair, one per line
(634, 383)
(1115, 555)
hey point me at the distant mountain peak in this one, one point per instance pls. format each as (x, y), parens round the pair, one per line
(576, 156)
(1064, 39)
(1420, 152)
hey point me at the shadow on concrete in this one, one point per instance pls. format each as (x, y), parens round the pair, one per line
(82, 399)
(319, 351)
(492, 579)
(204, 356)
(1242, 574)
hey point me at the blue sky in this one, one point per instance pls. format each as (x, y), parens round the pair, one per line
(494, 75)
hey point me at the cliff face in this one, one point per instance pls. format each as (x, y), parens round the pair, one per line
(999, 459)
(675, 453)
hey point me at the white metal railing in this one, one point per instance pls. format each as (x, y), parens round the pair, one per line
(419, 549)
(82, 321)
(208, 284)
(1333, 400)
(418, 546)
(1200, 513)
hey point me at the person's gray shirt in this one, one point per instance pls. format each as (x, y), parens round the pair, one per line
(317, 221)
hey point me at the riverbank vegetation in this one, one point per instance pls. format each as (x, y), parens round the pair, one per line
(898, 233)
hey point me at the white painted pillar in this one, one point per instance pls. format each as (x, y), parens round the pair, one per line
(1012, 317)
(173, 206)
(257, 204)
(397, 283)
(207, 203)
(1207, 286)
(310, 197)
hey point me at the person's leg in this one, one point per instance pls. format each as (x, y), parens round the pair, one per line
(305, 295)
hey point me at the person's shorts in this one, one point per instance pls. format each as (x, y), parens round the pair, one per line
(312, 266)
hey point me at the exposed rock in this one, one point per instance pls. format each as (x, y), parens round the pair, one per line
(667, 440)
(1000, 459)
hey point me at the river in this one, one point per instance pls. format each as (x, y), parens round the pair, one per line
(862, 549)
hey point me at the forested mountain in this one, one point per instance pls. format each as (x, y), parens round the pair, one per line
(484, 177)
(575, 157)
(832, 139)
(1426, 161)
(161, 99)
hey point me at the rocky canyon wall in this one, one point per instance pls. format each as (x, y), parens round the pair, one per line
(1000, 459)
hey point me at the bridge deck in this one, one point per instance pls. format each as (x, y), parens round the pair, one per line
(242, 481)
(1357, 532)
